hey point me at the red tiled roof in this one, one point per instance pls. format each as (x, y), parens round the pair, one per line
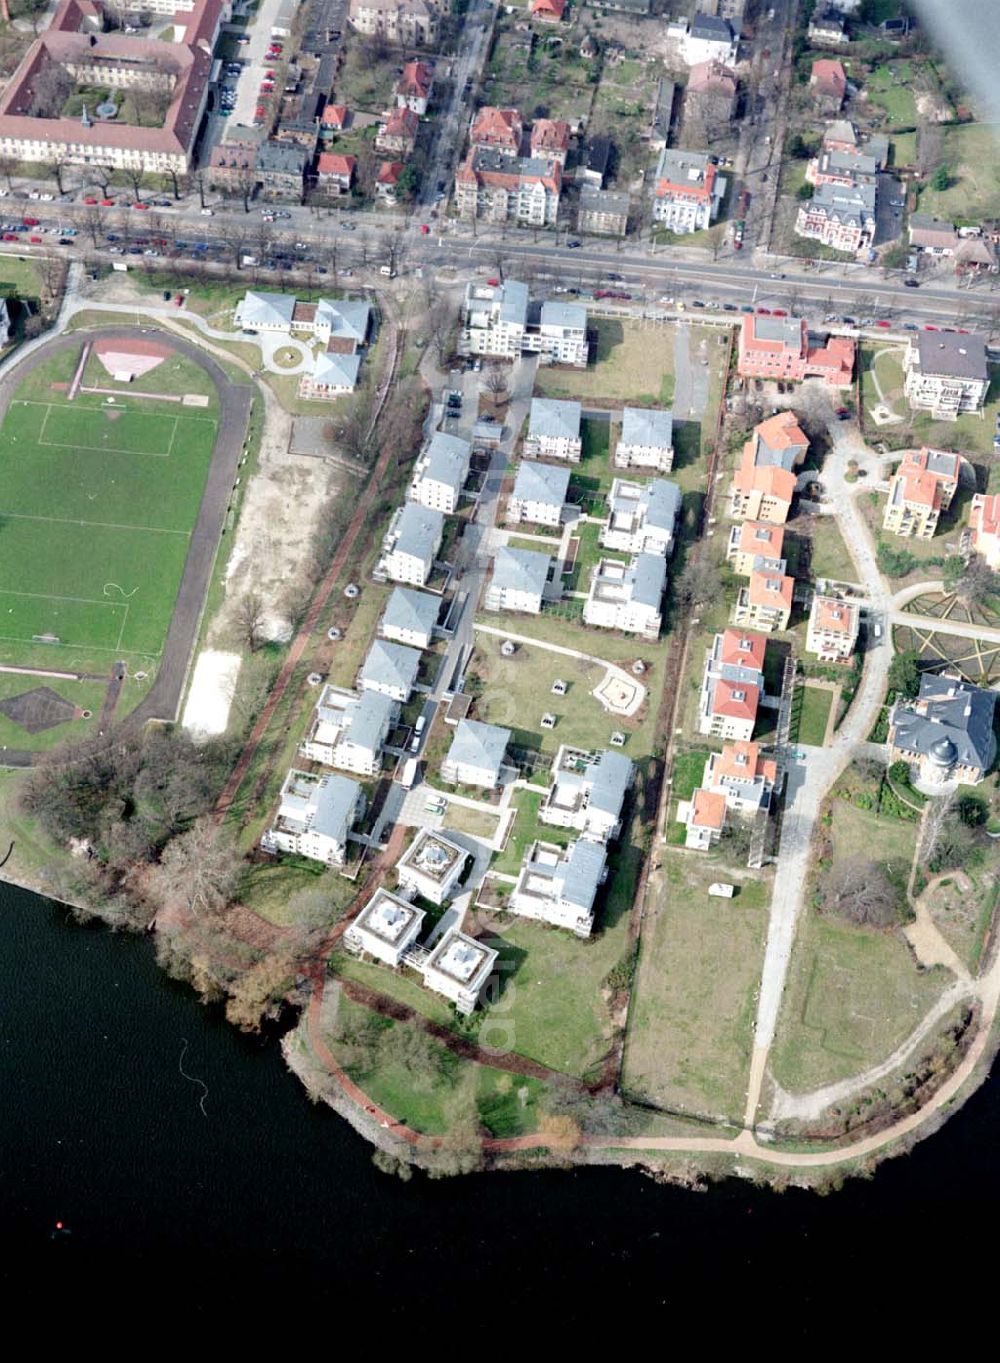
(735, 700)
(742, 761)
(984, 518)
(711, 75)
(771, 590)
(770, 479)
(749, 339)
(760, 537)
(548, 9)
(401, 123)
(417, 79)
(335, 116)
(740, 648)
(829, 75)
(549, 134)
(332, 163)
(781, 432)
(389, 172)
(497, 128)
(708, 810)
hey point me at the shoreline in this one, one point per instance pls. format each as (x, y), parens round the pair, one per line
(688, 1161)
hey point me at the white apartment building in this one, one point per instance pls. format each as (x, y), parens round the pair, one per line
(587, 792)
(432, 866)
(733, 685)
(349, 730)
(494, 187)
(501, 320)
(519, 579)
(410, 617)
(642, 517)
(559, 885)
(708, 38)
(554, 430)
(627, 596)
(385, 928)
(409, 23)
(833, 628)
(390, 669)
(539, 494)
(646, 440)
(688, 191)
(476, 755)
(459, 968)
(946, 373)
(411, 543)
(315, 815)
(440, 473)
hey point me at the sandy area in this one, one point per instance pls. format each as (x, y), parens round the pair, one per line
(211, 693)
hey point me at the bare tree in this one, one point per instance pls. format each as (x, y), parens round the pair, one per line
(497, 381)
(50, 272)
(135, 178)
(930, 149)
(257, 991)
(973, 582)
(52, 87)
(392, 247)
(199, 181)
(861, 891)
(441, 329)
(198, 871)
(250, 614)
(8, 165)
(151, 103)
(935, 821)
(699, 581)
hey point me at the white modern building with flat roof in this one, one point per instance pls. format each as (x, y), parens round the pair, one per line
(587, 792)
(385, 928)
(315, 815)
(411, 543)
(410, 617)
(440, 473)
(501, 320)
(519, 579)
(476, 755)
(946, 373)
(559, 885)
(642, 517)
(646, 440)
(432, 866)
(539, 494)
(459, 968)
(349, 730)
(627, 596)
(390, 669)
(554, 430)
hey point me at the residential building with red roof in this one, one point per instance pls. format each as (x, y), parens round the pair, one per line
(335, 118)
(705, 817)
(550, 138)
(497, 130)
(781, 348)
(114, 61)
(335, 172)
(387, 180)
(415, 86)
(688, 191)
(548, 11)
(828, 83)
(833, 628)
(398, 134)
(765, 603)
(922, 487)
(763, 486)
(494, 187)
(751, 540)
(712, 86)
(984, 525)
(733, 685)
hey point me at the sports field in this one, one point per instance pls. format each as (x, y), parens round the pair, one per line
(98, 497)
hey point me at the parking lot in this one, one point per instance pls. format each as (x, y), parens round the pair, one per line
(253, 56)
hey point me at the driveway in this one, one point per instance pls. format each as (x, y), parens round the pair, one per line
(690, 378)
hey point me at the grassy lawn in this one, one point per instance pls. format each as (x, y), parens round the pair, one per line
(34, 853)
(517, 691)
(569, 634)
(830, 557)
(632, 364)
(84, 695)
(20, 273)
(814, 711)
(852, 997)
(963, 917)
(525, 829)
(970, 153)
(476, 822)
(691, 1022)
(882, 378)
(588, 552)
(688, 772)
(271, 888)
(903, 149)
(893, 93)
(99, 503)
(553, 998)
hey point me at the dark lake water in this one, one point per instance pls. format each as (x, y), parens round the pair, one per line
(99, 1129)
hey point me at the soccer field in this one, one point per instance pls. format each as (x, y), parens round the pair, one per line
(98, 498)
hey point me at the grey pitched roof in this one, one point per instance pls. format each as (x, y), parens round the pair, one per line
(447, 460)
(554, 419)
(521, 570)
(348, 318)
(951, 721)
(411, 610)
(333, 803)
(708, 26)
(610, 774)
(647, 426)
(841, 130)
(647, 577)
(336, 370)
(283, 157)
(954, 356)
(546, 483)
(850, 203)
(594, 200)
(271, 309)
(391, 664)
(419, 531)
(663, 499)
(570, 316)
(581, 873)
(514, 305)
(478, 745)
(371, 717)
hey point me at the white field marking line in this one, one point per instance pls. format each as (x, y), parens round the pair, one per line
(99, 525)
(118, 641)
(109, 449)
(52, 596)
(109, 407)
(78, 646)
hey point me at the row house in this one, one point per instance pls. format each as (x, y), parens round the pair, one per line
(603, 212)
(733, 685)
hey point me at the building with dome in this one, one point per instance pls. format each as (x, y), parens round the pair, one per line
(947, 732)
(431, 866)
